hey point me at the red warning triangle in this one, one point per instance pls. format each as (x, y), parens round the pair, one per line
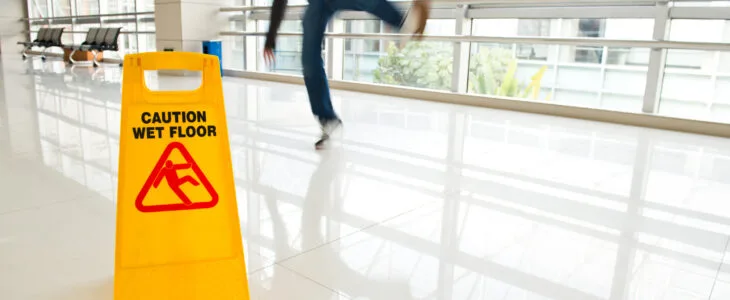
(166, 170)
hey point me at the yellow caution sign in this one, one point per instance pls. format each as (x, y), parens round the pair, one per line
(178, 232)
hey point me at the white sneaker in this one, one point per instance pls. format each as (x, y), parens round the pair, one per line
(327, 129)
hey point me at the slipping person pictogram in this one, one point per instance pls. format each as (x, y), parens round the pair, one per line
(169, 172)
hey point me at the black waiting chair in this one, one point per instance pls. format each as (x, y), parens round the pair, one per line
(92, 36)
(39, 39)
(98, 40)
(91, 40)
(111, 40)
(46, 38)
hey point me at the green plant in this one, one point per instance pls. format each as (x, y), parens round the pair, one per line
(492, 71)
(422, 65)
(488, 70)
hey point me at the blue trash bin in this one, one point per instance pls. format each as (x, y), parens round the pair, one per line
(214, 48)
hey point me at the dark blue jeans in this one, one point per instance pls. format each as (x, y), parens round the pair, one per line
(318, 14)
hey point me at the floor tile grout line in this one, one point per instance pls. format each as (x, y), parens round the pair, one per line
(719, 268)
(312, 280)
(274, 264)
(39, 206)
(256, 270)
(280, 263)
(356, 232)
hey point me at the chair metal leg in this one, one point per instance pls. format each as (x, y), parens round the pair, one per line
(81, 62)
(102, 63)
(43, 53)
(47, 50)
(96, 62)
(96, 74)
(71, 57)
(25, 52)
(119, 53)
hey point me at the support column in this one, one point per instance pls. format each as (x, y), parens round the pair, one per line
(183, 25)
(19, 129)
(460, 75)
(657, 59)
(11, 26)
(18, 107)
(4, 122)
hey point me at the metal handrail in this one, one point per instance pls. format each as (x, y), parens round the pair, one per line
(498, 3)
(252, 8)
(598, 42)
(464, 2)
(91, 16)
(84, 32)
(559, 2)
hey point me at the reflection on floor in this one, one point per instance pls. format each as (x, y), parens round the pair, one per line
(415, 200)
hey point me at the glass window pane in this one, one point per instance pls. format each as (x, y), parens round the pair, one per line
(68, 37)
(627, 56)
(425, 65)
(706, 72)
(288, 49)
(418, 64)
(146, 25)
(362, 56)
(79, 38)
(116, 6)
(147, 43)
(678, 100)
(145, 5)
(632, 29)
(694, 88)
(233, 48)
(127, 23)
(714, 31)
(494, 70)
(639, 29)
(39, 9)
(61, 8)
(701, 3)
(710, 31)
(128, 43)
(587, 76)
(233, 54)
(269, 2)
(87, 7)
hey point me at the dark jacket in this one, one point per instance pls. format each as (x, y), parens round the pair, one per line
(277, 15)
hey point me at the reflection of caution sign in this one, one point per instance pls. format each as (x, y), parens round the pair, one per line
(178, 233)
(169, 171)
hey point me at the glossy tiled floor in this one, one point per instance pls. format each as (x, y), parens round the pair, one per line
(417, 200)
